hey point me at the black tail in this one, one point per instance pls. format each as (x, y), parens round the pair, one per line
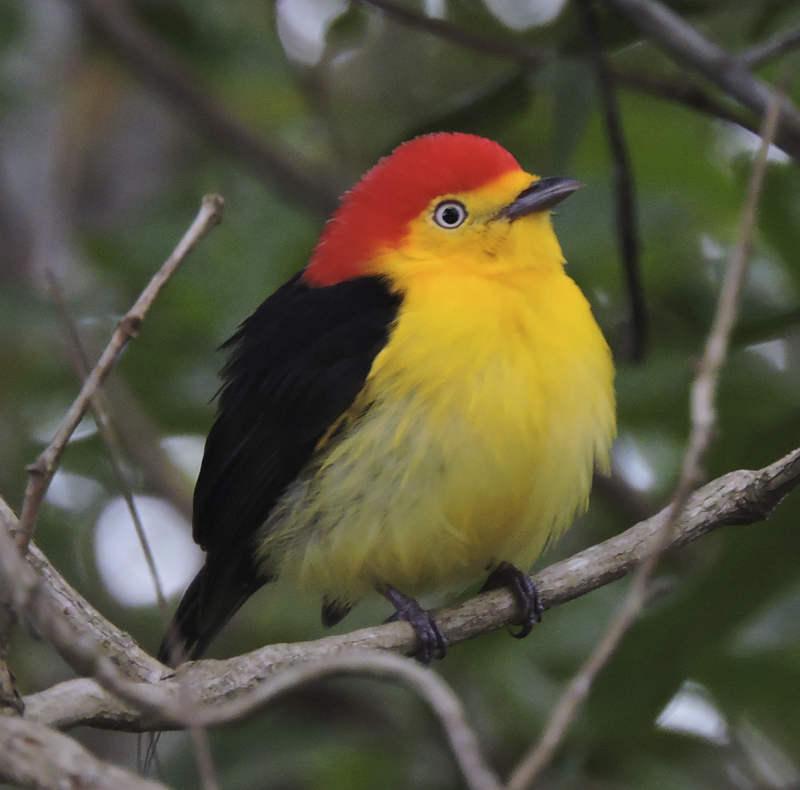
(213, 597)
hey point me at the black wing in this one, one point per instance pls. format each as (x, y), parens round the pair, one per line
(296, 365)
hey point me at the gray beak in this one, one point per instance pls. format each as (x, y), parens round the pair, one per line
(540, 196)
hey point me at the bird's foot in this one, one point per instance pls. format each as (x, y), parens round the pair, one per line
(432, 643)
(524, 591)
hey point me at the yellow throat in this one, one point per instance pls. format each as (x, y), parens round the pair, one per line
(474, 439)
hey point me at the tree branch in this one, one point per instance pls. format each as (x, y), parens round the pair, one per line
(42, 471)
(117, 645)
(671, 33)
(18, 598)
(80, 362)
(635, 335)
(426, 684)
(33, 755)
(525, 54)
(741, 497)
(140, 437)
(776, 47)
(704, 418)
(685, 93)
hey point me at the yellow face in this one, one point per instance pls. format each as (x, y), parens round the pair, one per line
(468, 231)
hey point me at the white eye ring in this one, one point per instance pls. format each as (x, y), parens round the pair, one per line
(449, 214)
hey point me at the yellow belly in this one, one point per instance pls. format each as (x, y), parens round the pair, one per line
(473, 442)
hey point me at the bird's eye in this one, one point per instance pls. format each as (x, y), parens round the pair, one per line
(449, 214)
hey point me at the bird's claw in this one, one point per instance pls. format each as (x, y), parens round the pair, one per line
(524, 591)
(431, 642)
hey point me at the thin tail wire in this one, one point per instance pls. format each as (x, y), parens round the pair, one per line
(210, 601)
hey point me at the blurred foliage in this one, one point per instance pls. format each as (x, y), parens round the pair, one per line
(101, 175)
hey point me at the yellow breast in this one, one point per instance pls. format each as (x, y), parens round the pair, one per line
(473, 441)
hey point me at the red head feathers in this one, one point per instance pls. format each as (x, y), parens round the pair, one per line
(376, 211)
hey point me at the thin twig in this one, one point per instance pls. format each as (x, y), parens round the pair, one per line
(704, 390)
(438, 695)
(683, 92)
(80, 362)
(774, 48)
(524, 54)
(635, 335)
(140, 436)
(703, 414)
(42, 471)
(685, 44)
(202, 751)
(167, 75)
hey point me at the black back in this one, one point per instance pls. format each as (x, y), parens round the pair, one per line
(295, 366)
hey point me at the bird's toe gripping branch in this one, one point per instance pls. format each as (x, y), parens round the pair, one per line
(432, 643)
(524, 591)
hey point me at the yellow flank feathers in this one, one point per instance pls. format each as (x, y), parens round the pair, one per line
(474, 439)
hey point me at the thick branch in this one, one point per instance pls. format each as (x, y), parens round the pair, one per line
(741, 497)
(113, 643)
(33, 755)
(678, 91)
(688, 46)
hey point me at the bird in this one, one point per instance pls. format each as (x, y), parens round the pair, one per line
(419, 409)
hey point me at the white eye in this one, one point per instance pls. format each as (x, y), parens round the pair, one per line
(449, 214)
